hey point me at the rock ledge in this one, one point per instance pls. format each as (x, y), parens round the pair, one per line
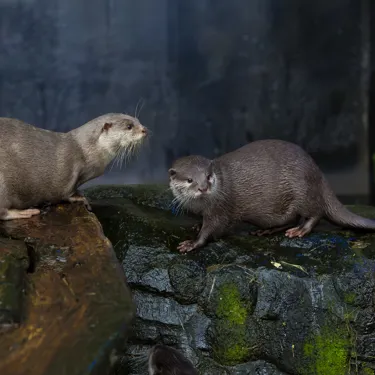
(243, 305)
(64, 302)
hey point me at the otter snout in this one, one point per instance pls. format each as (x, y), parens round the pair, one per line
(139, 132)
(203, 189)
(144, 131)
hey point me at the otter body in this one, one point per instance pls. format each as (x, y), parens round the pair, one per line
(164, 360)
(41, 166)
(271, 184)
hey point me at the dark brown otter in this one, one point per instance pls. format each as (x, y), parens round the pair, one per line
(165, 360)
(40, 166)
(271, 184)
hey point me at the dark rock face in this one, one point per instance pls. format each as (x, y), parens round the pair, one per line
(64, 303)
(14, 263)
(243, 305)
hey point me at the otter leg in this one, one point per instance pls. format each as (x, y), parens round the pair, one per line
(17, 214)
(290, 223)
(196, 227)
(209, 228)
(302, 229)
(78, 197)
(189, 245)
(263, 232)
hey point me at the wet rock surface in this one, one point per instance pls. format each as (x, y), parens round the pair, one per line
(244, 304)
(14, 262)
(64, 303)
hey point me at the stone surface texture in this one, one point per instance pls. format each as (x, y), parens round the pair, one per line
(242, 305)
(64, 304)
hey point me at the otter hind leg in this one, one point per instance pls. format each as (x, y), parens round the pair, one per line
(79, 197)
(302, 229)
(264, 232)
(280, 225)
(13, 214)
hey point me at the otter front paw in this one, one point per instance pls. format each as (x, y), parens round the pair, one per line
(186, 246)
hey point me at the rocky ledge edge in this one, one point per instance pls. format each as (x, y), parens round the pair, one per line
(65, 306)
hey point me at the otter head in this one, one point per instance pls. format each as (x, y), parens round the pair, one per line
(119, 131)
(192, 177)
(164, 360)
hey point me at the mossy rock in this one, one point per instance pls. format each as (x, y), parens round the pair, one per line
(229, 343)
(243, 303)
(153, 195)
(328, 352)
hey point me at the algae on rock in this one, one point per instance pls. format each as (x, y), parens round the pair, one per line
(230, 346)
(243, 304)
(328, 352)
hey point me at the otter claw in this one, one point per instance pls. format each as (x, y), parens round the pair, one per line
(296, 232)
(186, 246)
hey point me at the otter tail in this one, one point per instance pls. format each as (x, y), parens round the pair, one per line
(338, 214)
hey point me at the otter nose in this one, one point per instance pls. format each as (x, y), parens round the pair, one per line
(203, 189)
(144, 131)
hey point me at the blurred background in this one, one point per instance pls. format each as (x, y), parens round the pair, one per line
(209, 75)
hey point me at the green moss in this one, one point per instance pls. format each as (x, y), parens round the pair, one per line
(237, 353)
(230, 345)
(367, 371)
(230, 306)
(349, 298)
(308, 349)
(328, 352)
(125, 223)
(230, 330)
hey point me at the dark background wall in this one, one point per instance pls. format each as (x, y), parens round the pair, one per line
(213, 75)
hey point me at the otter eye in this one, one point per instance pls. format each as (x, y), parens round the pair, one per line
(190, 180)
(130, 126)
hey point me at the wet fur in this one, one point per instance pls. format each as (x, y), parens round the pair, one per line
(40, 166)
(271, 184)
(164, 360)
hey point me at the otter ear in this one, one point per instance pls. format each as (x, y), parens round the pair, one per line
(106, 126)
(171, 172)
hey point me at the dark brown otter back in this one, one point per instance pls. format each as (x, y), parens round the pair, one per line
(164, 360)
(270, 180)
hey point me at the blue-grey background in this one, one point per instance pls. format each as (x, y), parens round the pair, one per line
(213, 75)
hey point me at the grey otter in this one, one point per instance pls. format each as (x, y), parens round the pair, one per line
(164, 360)
(40, 166)
(269, 183)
